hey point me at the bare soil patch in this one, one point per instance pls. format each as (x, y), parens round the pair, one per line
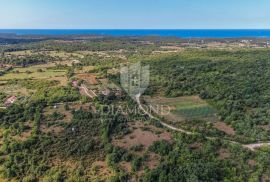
(224, 154)
(51, 129)
(142, 135)
(100, 171)
(224, 127)
(59, 109)
(89, 78)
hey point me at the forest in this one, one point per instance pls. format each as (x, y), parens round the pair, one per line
(235, 82)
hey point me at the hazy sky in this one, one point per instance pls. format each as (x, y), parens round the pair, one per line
(135, 14)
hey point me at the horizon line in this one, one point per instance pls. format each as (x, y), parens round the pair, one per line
(134, 28)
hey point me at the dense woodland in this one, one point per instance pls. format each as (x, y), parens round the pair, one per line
(235, 82)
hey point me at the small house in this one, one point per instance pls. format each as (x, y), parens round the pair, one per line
(10, 101)
(75, 84)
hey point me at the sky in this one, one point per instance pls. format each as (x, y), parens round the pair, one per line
(134, 14)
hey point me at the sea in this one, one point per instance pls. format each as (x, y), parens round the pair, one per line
(181, 33)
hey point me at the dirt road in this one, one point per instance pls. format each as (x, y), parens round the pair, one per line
(248, 146)
(88, 92)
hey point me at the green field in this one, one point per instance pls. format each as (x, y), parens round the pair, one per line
(191, 109)
(182, 108)
(32, 73)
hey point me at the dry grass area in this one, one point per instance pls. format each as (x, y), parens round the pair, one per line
(84, 69)
(32, 73)
(59, 109)
(224, 153)
(224, 127)
(63, 81)
(63, 54)
(96, 170)
(77, 106)
(20, 53)
(51, 129)
(25, 134)
(14, 89)
(55, 129)
(153, 161)
(100, 171)
(142, 134)
(89, 78)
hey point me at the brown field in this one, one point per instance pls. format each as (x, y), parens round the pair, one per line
(84, 69)
(51, 129)
(89, 78)
(15, 90)
(142, 134)
(63, 81)
(60, 109)
(224, 127)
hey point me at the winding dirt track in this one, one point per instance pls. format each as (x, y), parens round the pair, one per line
(252, 146)
(86, 91)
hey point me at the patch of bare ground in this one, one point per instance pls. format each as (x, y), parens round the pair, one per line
(63, 81)
(142, 134)
(89, 78)
(84, 69)
(2, 180)
(59, 109)
(25, 134)
(251, 163)
(195, 146)
(265, 127)
(100, 171)
(126, 166)
(66, 163)
(85, 107)
(51, 129)
(265, 178)
(152, 161)
(224, 153)
(224, 127)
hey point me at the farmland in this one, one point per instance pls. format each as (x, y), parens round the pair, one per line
(32, 73)
(184, 108)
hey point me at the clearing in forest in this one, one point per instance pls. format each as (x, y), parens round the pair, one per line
(182, 108)
(33, 72)
(89, 78)
(186, 108)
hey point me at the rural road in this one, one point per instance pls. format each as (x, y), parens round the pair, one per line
(86, 91)
(248, 146)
